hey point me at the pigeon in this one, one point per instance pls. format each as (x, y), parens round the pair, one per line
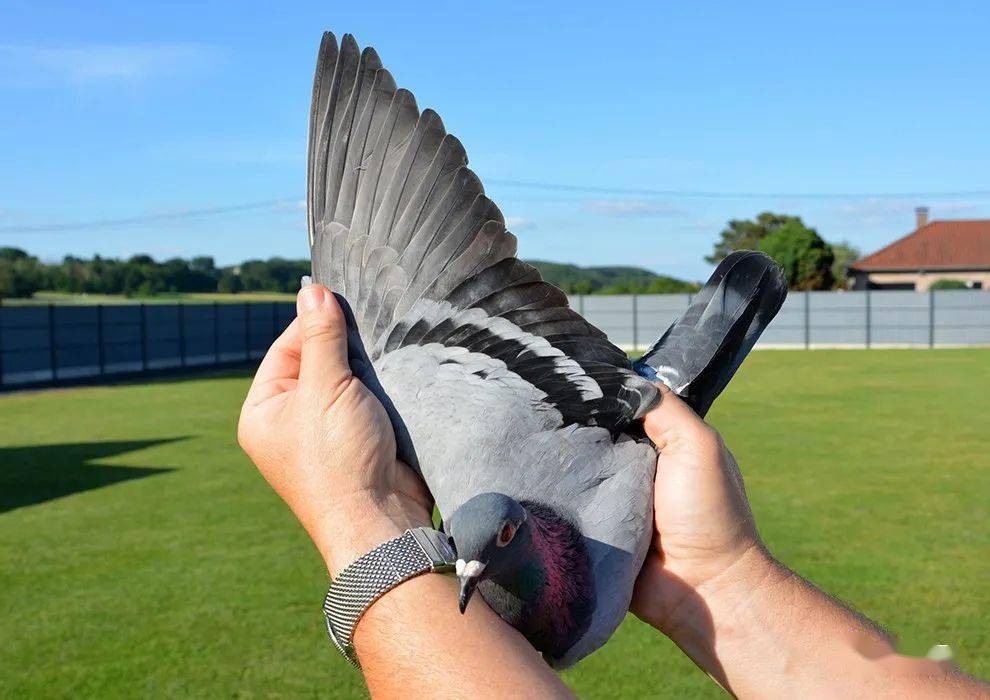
(519, 415)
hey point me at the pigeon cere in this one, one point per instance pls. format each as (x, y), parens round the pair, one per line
(519, 415)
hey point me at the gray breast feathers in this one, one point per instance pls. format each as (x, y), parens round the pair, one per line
(479, 427)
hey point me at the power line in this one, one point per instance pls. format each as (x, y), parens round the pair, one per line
(271, 204)
(180, 214)
(709, 194)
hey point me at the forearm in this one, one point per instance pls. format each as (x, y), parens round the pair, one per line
(762, 631)
(414, 642)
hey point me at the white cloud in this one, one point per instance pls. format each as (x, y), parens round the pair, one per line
(631, 208)
(98, 63)
(290, 205)
(875, 210)
(518, 223)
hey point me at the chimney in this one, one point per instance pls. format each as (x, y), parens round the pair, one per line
(921, 217)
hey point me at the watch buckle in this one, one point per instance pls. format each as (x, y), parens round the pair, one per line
(434, 545)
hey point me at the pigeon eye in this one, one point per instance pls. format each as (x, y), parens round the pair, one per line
(506, 534)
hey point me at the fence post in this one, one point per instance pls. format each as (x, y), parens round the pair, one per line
(100, 352)
(931, 318)
(635, 320)
(247, 330)
(869, 320)
(274, 320)
(182, 334)
(144, 339)
(216, 333)
(807, 320)
(52, 353)
(581, 304)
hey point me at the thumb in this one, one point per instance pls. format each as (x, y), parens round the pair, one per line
(672, 422)
(323, 354)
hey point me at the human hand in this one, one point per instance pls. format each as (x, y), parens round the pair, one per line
(757, 628)
(324, 442)
(706, 548)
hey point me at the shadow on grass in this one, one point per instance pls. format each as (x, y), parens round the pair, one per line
(39, 473)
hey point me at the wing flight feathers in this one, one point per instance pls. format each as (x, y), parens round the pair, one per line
(401, 227)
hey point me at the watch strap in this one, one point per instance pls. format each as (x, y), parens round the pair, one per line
(360, 584)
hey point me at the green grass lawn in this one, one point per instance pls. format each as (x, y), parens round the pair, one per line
(142, 555)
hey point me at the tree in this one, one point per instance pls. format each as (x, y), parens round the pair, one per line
(744, 234)
(21, 275)
(948, 284)
(203, 263)
(845, 255)
(804, 256)
(608, 279)
(581, 287)
(142, 275)
(13, 254)
(230, 283)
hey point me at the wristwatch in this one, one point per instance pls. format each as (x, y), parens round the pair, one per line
(367, 579)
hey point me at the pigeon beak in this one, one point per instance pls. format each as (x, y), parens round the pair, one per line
(468, 584)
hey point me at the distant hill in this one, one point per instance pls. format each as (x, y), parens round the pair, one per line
(21, 275)
(614, 279)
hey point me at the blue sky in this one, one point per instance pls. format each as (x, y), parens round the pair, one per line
(122, 110)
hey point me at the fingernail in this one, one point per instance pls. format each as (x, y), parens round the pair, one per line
(311, 297)
(305, 281)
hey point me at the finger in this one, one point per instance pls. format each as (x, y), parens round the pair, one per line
(671, 418)
(323, 331)
(279, 368)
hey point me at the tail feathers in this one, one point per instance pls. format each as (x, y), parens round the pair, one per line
(701, 350)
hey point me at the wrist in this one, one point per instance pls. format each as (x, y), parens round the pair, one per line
(708, 617)
(677, 603)
(355, 525)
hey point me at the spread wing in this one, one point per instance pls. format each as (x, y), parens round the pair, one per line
(402, 229)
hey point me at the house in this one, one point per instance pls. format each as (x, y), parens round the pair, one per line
(936, 250)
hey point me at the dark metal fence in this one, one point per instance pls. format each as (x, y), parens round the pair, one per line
(58, 344)
(65, 343)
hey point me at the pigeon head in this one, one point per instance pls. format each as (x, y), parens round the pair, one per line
(486, 531)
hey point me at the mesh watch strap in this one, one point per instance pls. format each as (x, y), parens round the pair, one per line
(359, 585)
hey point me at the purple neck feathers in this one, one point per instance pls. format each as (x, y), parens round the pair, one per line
(562, 607)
